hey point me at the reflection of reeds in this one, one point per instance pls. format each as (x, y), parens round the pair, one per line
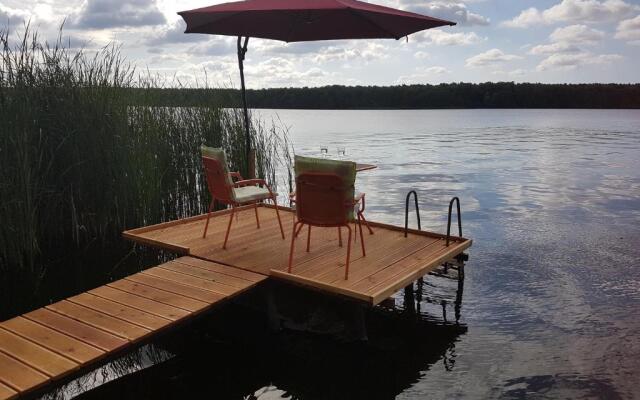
(79, 163)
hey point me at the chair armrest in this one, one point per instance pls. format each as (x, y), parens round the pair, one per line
(235, 175)
(250, 182)
(358, 197)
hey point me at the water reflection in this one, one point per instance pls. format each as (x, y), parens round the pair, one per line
(233, 353)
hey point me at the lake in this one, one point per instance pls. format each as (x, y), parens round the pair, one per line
(551, 199)
(551, 301)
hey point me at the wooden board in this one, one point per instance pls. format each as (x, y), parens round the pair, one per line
(62, 344)
(6, 393)
(19, 376)
(392, 261)
(71, 335)
(76, 329)
(35, 356)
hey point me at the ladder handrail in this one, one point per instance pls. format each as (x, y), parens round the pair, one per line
(457, 200)
(406, 211)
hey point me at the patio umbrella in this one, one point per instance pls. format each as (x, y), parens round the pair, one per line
(300, 21)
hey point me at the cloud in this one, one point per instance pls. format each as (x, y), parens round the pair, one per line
(421, 55)
(214, 46)
(172, 33)
(568, 40)
(553, 48)
(577, 34)
(423, 75)
(11, 18)
(279, 71)
(629, 30)
(573, 61)
(452, 11)
(365, 51)
(490, 57)
(439, 37)
(585, 11)
(104, 14)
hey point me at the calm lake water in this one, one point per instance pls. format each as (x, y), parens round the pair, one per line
(551, 199)
(551, 303)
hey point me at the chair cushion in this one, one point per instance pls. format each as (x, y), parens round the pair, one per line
(344, 169)
(219, 155)
(248, 194)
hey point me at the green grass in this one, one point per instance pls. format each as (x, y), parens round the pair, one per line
(79, 164)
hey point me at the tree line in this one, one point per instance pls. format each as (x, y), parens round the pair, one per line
(442, 96)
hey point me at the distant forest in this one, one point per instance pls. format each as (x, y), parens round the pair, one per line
(451, 95)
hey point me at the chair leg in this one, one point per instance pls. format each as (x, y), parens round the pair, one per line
(275, 204)
(340, 236)
(299, 229)
(293, 242)
(308, 238)
(366, 223)
(346, 267)
(226, 237)
(361, 236)
(206, 226)
(255, 207)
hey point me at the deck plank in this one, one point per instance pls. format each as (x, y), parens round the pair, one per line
(125, 313)
(19, 376)
(189, 280)
(158, 295)
(35, 356)
(177, 288)
(99, 320)
(223, 269)
(81, 331)
(6, 393)
(140, 303)
(209, 275)
(53, 340)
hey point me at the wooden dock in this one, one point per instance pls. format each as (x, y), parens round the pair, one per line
(392, 261)
(62, 339)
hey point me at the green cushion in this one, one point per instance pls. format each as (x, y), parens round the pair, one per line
(219, 155)
(344, 169)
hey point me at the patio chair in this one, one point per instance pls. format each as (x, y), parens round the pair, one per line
(234, 194)
(325, 198)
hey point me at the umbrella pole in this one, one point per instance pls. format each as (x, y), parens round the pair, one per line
(242, 50)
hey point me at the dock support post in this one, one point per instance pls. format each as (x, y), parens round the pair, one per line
(409, 300)
(359, 327)
(273, 318)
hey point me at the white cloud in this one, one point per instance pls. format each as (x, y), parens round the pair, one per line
(11, 18)
(439, 37)
(490, 57)
(364, 51)
(585, 11)
(451, 11)
(552, 48)
(172, 33)
(573, 61)
(423, 75)
(577, 34)
(568, 40)
(421, 55)
(100, 14)
(629, 30)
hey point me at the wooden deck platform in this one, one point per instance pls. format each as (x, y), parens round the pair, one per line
(50, 343)
(392, 261)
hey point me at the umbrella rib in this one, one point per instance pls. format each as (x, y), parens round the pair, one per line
(366, 18)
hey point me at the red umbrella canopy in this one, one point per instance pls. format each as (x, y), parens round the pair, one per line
(307, 20)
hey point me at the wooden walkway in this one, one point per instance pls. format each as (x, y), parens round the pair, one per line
(392, 261)
(61, 339)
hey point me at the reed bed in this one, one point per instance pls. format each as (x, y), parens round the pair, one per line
(79, 164)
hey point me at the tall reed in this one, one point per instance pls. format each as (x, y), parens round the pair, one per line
(79, 163)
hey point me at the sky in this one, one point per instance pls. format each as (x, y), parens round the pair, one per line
(548, 41)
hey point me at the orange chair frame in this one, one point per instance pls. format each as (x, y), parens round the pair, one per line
(222, 192)
(320, 201)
